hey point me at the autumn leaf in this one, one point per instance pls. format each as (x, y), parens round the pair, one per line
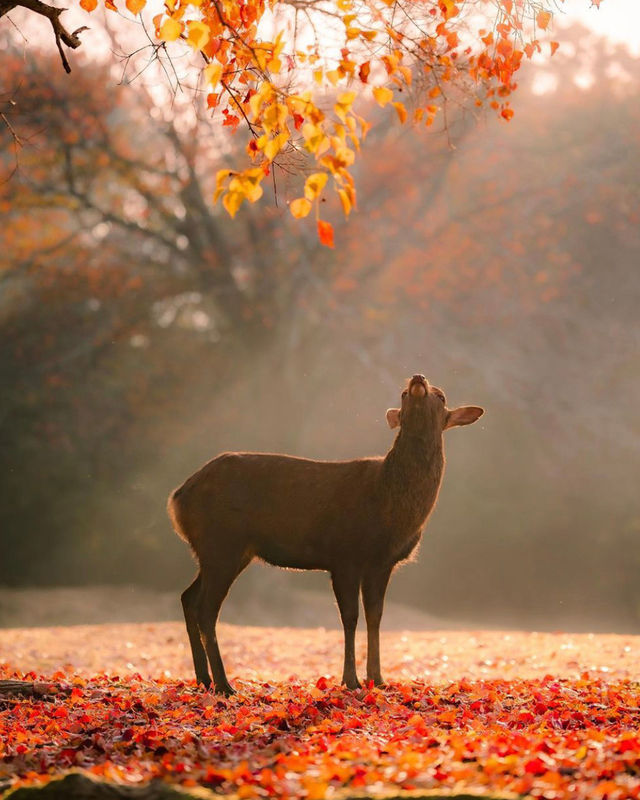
(300, 207)
(325, 233)
(543, 18)
(382, 95)
(315, 184)
(346, 201)
(198, 34)
(401, 111)
(170, 30)
(135, 6)
(364, 71)
(213, 73)
(89, 5)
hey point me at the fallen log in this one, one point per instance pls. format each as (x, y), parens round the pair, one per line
(79, 786)
(12, 688)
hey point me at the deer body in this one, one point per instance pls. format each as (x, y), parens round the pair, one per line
(355, 519)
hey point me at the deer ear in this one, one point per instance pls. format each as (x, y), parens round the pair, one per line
(464, 415)
(393, 417)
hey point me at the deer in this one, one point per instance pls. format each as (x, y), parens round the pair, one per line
(356, 520)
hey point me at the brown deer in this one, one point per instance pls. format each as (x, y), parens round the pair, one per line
(354, 519)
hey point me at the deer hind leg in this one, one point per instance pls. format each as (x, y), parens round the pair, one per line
(346, 587)
(190, 601)
(216, 582)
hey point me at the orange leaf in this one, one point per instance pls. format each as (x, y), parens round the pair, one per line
(363, 72)
(543, 19)
(135, 6)
(401, 112)
(325, 233)
(89, 5)
(554, 46)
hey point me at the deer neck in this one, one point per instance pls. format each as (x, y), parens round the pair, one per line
(411, 474)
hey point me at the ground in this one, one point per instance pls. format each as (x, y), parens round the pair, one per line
(537, 714)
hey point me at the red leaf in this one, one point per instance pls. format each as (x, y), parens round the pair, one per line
(325, 233)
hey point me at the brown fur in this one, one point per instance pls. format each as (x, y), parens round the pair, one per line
(355, 519)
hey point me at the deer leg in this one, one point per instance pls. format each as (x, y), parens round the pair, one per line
(374, 587)
(190, 598)
(346, 587)
(216, 583)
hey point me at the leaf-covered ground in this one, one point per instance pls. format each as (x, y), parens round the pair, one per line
(547, 715)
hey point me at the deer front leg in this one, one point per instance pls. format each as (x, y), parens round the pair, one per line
(346, 587)
(374, 587)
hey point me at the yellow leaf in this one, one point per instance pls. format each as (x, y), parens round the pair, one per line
(382, 95)
(343, 104)
(232, 202)
(274, 117)
(315, 138)
(170, 30)
(317, 76)
(254, 193)
(346, 202)
(213, 73)
(334, 76)
(136, 6)
(198, 34)
(300, 207)
(401, 111)
(222, 175)
(275, 145)
(346, 99)
(315, 184)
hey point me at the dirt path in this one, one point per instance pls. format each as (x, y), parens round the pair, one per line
(274, 654)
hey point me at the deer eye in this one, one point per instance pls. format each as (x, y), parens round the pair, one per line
(441, 396)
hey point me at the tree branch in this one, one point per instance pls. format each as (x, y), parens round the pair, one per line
(62, 35)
